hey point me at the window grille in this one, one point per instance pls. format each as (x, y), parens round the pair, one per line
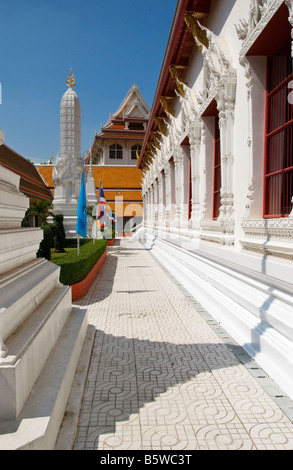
(278, 172)
(115, 151)
(189, 190)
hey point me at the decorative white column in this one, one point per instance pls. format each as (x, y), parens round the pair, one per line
(249, 84)
(195, 142)
(179, 186)
(226, 104)
(154, 203)
(145, 206)
(168, 188)
(149, 206)
(161, 212)
(144, 194)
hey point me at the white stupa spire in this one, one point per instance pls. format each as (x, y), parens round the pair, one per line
(69, 166)
(70, 121)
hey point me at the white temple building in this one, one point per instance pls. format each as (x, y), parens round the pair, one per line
(217, 163)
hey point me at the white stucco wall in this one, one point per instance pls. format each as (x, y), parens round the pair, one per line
(239, 266)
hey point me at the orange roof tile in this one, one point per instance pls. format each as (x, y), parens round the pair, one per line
(111, 176)
(127, 195)
(127, 210)
(123, 136)
(46, 172)
(117, 176)
(115, 126)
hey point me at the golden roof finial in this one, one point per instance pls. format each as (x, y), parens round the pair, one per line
(70, 81)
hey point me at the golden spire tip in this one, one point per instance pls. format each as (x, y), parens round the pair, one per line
(70, 81)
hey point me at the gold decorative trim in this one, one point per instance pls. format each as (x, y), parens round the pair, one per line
(166, 106)
(196, 30)
(162, 128)
(179, 82)
(150, 148)
(156, 142)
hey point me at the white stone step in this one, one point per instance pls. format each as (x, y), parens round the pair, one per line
(39, 422)
(15, 273)
(13, 203)
(18, 246)
(29, 348)
(28, 286)
(68, 429)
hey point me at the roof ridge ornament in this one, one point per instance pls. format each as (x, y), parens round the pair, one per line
(70, 81)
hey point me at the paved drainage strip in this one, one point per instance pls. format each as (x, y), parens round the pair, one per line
(263, 379)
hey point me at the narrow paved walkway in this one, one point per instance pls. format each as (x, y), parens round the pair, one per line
(161, 377)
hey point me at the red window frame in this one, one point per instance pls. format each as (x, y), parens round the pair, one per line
(217, 171)
(278, 161)
(189, 191)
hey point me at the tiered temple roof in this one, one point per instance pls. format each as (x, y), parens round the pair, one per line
(32, 183)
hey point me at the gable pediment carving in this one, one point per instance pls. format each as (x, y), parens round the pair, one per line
(260, 13)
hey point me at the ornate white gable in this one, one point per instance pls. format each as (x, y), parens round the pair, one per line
(133, 105)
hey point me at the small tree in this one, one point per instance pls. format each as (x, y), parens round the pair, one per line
(40, 210)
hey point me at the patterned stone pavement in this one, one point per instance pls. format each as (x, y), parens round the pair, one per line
(164, 375)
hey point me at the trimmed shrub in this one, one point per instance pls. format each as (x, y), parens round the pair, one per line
(75, 268)
(44, 250)
(59, 241)
(72, 242)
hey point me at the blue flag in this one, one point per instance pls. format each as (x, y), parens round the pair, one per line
(81, 223)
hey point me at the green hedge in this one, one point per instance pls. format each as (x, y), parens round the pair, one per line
(75, 268)
(72, 242)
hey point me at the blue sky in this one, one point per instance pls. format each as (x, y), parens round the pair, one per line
(108, 44)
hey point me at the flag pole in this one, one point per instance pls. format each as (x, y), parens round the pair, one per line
(99, 190)
(81, 223)
(99, 203)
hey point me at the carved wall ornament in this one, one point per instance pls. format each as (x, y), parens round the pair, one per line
(269, 228)
(258, 9)
(189, 105)
(219, 73)
(67, 168)
(260, 14)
